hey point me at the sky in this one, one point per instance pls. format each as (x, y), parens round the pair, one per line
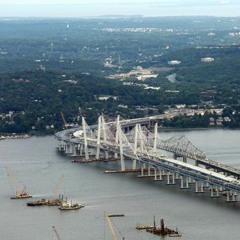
(88, 8)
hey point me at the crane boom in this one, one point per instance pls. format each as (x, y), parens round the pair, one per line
(64, 121)
(56, 190)
(56, 232)
(13, 179)
(114, 237)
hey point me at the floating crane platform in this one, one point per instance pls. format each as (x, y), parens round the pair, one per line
(21, 195)
(160, 231)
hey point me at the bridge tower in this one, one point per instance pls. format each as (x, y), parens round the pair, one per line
(117, 135)
(120, 136)
(101, 134)
(85, 139)
(155, 138)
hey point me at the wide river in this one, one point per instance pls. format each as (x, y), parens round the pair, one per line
(36, 164)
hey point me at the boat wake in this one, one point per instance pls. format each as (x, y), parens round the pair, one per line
(41, 195)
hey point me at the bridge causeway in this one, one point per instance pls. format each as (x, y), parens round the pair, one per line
(175, 159)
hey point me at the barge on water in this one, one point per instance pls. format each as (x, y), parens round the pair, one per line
(21, 195)
(46, 202)
(163, 231)
(143, 227)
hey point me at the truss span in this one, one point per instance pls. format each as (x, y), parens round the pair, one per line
(181, 146)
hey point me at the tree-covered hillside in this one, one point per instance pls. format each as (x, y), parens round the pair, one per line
(55, 67)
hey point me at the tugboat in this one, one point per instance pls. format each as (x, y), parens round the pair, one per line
(70, 206)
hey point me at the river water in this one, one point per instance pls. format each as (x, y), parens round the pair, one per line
(36, 164)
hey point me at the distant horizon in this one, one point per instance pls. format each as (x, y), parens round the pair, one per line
(94, 8)
(112, 16)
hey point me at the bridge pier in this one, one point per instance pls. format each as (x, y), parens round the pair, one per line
(143, 166)
(74, 150)
(80, 150)
(207, 185)
(177, 176)
(170, 176)
(149, 170)
(231, 197)
(68, 148)
(186, 186)
(77, 150)
(134, 164)
(65, 147)
(156, 176)
(214, 192)
(61, 146)
(191, 180)
(199, 189)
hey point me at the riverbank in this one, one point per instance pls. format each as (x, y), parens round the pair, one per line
(170, 129)
(14, 136)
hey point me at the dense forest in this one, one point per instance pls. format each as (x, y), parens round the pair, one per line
(56, 70)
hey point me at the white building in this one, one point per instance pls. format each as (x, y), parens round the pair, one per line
(207, 59)
(174, 62)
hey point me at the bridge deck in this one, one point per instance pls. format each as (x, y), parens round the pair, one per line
(169, 164)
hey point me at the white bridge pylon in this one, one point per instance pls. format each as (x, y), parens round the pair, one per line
(138, 142)
(85, 128)
(110, 134)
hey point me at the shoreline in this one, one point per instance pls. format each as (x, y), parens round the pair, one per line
(163, 129)
(14, 136)
(160, 129)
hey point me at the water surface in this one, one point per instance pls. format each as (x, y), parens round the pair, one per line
(36, 164)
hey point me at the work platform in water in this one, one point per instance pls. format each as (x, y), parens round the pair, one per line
(160, 231)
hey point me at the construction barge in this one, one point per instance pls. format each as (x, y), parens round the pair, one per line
(46, 202)
(143, 227)
(160, 231)
(21, 195)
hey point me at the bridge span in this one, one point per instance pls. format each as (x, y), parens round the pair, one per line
(172, 160)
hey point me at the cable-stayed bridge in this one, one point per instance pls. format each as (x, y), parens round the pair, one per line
(172, 160)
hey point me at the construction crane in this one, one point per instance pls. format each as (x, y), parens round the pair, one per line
(19, 193)
(56, 201)
(64, 121)
(59, 184)
(56, 232)
(13, 180)
(53, 201)
(114, 237)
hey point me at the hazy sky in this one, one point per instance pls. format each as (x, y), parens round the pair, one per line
(82, 8)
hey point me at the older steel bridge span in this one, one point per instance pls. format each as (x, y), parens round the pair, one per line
(175, 159)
